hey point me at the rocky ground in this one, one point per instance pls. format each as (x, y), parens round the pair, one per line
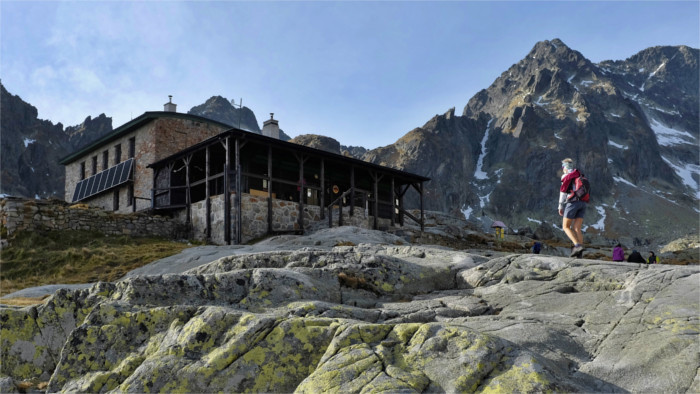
(353, 310)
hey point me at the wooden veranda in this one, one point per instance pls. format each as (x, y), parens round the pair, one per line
(244, 162)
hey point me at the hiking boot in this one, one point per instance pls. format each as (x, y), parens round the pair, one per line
(576, 251)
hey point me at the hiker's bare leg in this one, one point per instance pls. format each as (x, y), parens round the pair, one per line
(578, 223)
(566, 224)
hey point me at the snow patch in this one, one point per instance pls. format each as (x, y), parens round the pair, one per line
(686, 174)
(467, 212)
(484, 200)
(28, 141)
(479, 173)
(571, 78)
(651, 75)
(622, 180)
(616, 145)
(534, 220)
(667, 136)
(600, 224)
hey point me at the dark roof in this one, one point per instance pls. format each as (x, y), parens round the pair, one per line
(285, 145)
(129, 127)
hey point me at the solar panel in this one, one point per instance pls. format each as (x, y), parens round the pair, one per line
(104, 180)
(77, 192)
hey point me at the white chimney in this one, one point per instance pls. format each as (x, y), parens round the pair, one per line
(271, 127)
(170, 106)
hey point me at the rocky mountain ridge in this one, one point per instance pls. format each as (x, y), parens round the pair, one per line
(500, 159)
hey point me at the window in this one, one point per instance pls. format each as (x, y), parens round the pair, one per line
(116, 199)
(82, 170)
(132, 147)
(117, 153)
(94, 165)
(105, 160)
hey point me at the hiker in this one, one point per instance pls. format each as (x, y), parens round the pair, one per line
(618, 253)
(652, 258)
(571, 206)
(636, 257)
(536, 248)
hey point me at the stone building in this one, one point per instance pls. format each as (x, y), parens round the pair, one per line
(112, 172)
(229, 185)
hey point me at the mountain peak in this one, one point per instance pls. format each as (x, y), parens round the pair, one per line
(220, 109)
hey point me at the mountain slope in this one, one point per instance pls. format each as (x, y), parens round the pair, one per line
(500, 160)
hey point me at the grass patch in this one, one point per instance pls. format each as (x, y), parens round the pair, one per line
(70, 257)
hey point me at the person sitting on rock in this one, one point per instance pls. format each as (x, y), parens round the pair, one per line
(618, 253)
(635, 257)
(652, 258)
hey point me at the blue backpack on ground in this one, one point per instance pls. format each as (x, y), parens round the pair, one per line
(536, 248)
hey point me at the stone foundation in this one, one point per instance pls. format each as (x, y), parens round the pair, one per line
(54, 215)
(254, 218)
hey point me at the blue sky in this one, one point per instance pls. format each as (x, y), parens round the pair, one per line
(364, 73)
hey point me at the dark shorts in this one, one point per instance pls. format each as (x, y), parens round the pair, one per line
(575, 210)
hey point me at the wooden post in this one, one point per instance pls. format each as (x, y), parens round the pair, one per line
(153, 189)
(352, 190)
(422, 218)
(239, 196)
(269, 189)
(227, 193)
(401, 215)
(393, 202)
(188, 200)
(340, 211)
(376, 199)
(208, 202)
(323, 189)
(300, 219)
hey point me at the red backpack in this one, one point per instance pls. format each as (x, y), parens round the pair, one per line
(580, 189)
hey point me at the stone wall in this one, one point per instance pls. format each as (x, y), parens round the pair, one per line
(44, 215)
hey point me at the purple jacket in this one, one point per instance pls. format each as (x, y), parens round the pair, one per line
(618, 254)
